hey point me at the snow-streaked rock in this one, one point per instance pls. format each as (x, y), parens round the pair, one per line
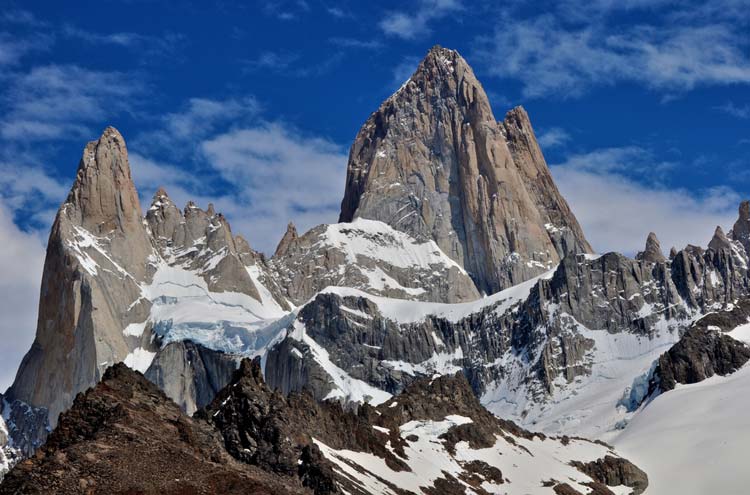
(371, 256)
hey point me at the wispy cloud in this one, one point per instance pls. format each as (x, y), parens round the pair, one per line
(21, 17)
(739, 111)
(286, 10)
(260, 174)
(617, 211)
(21, 260)
(355, 43)
(553, 137)
(339, 12)
(551, 54)
(416, 24)
(13, 48)
(292, 64)
(279, 175)
(147, 45)
(53, 101)
(272, 60)
(201, 115)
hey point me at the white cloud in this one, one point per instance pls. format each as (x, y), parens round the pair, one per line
(549, 56)
(201, 115)
(617, 213)
(355, 43)
(278, 175)
(553, 137)
(146, 44)
(58, 101)
(416, 24)
(13, 48)
(739, 111)
(21, 261)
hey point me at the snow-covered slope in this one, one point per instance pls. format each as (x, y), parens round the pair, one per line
(567, 352)
(521, 466)
(594, 404)
(184, 308)
(694, 439)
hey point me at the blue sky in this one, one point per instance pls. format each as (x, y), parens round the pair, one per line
(642, 108)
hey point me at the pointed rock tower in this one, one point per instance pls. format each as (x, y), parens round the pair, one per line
(97, 257)
(652, 253)
(741, 229)
(432, 161)
(719, 241)
(289, 237)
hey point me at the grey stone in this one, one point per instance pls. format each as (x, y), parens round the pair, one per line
(432, 161)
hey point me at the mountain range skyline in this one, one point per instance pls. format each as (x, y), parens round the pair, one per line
(455, 328)
(642, 130)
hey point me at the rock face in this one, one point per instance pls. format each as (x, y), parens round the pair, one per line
(433, 162)
(370, 256)
(615, 471)
(652, 253)
(97, 256)
(200, 241)
(125, 436)
(191, 374)
(23, 430)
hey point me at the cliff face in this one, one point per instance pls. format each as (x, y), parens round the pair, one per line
(432, 161)
(97, 256)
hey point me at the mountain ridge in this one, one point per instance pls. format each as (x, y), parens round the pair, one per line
(362, 311)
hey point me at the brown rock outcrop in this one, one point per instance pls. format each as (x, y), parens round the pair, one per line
(126, 436)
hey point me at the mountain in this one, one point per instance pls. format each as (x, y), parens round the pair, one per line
(98, 255)
(126, 436)
(454, 254)
(433, 162)
(570, 351)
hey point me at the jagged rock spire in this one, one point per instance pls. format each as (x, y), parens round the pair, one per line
(104, 202)
(163, 217)
(433, 161)
(741, 229)
(652, 253)
(97, 257)
(720, 240)
(289, 237)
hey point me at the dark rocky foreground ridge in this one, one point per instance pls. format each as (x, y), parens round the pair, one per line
(126, 436)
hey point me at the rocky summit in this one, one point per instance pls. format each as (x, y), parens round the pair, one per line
(453, 332)
(433, 162)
